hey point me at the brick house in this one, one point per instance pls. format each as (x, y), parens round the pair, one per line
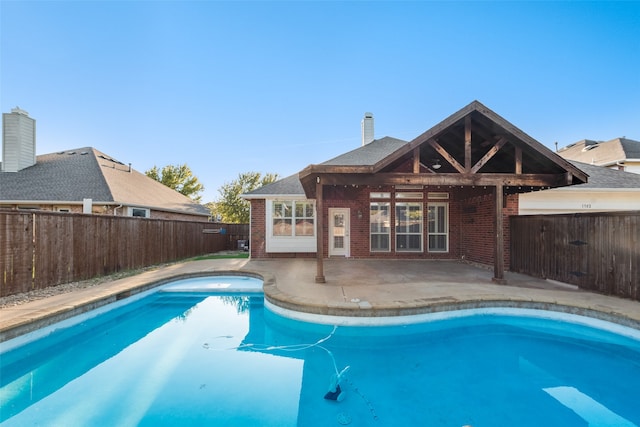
(444, 195)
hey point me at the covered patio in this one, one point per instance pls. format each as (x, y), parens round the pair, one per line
(472, 165)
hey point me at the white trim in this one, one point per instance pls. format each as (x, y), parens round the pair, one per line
(409, 195)
(345, 251)
(274, 196)
(446, 227)
(408, 233)
(288, 244)
(388, 233)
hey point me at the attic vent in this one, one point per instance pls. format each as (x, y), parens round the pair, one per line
(60, 152)
(84, 153)
(589, 147)
(71, 153)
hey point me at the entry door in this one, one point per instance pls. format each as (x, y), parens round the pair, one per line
(339, 232)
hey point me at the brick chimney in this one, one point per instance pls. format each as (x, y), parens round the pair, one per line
(18, 141)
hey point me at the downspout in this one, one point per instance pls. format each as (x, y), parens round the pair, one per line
(115, 210)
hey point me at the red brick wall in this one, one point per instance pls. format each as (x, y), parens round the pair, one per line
(478, 227)
(258, 229)
(471, 224)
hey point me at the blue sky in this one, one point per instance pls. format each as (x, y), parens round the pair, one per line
(232, 87)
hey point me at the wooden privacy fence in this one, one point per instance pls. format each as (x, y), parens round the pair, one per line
(42, 249)
(598, 252)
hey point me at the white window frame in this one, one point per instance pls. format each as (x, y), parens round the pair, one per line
(290, 243)
(445, 233)
(284, 214)
(293, 217)
(380, 225)
(419, 234)
(303, 217)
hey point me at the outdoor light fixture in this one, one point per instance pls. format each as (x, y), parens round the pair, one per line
(359, 214)
(436, 164)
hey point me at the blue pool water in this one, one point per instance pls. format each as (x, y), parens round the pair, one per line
(183, 357)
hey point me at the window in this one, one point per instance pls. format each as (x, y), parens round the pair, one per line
(379, 226)
(379, 195)
(438, 196)
(409, 195)
(408, 227)
(305, 223)
(139, 212)
(438, 228)
(287, 213)
(282, 218)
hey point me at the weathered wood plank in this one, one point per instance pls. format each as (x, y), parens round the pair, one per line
(41, 249)
(598, 252)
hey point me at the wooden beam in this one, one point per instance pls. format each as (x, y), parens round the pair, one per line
(416, 160)
(445, 154)
(492, 152)
(319, 232)
(518, 160)
(467, 144)
(453, 179)
(498, 257)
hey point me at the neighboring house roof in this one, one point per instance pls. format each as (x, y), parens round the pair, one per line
(86, 173)
(602, 153)
(604, 178)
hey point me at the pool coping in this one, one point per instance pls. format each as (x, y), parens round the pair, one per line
(290, 284)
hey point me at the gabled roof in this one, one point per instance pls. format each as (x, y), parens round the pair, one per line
(473, 146)
(602, 152)
(73, 175)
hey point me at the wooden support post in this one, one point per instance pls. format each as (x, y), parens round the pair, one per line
(467, 144)
(319, 232)
(498, 257)
(518, 160)
(416, 160)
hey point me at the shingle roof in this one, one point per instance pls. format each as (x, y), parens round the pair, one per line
(602, 152)
(366, 155)
(290, 186)
(74, 175)
(369, 154)
(603, 177)
(631, 148)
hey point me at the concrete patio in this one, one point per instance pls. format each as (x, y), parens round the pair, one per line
(355, 288)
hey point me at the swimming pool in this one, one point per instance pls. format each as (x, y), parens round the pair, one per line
(181, 356)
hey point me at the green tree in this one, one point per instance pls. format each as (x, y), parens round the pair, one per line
(179, 178)
(231, 207)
